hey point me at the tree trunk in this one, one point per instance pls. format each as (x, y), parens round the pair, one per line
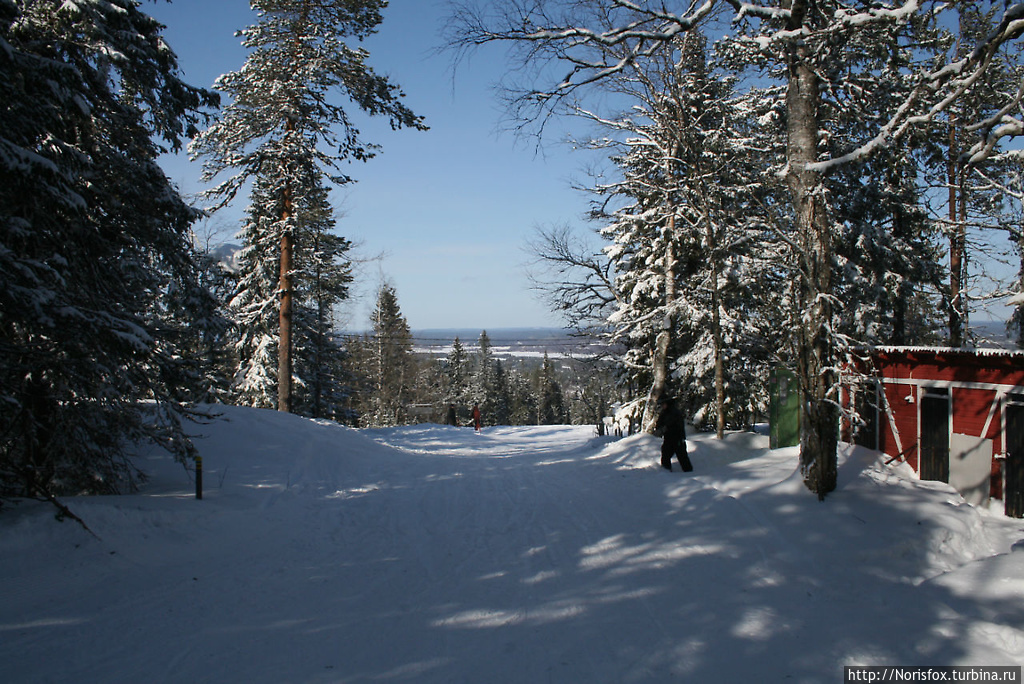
(284, 347)
(320, 351)
(659, 355)
(815, 354)
(716, 324)
(956, 244)
(716, 335)
(660, 381)
(901, 230)
(1017, 318)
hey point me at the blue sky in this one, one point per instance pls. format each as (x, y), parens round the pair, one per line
(450, 209)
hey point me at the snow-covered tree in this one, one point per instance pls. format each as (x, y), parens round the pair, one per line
(388, 363)
(255, 302)
(213, 335)
(457, 374)
(499, 402)
(686, 241)
(969, 196)
(98, 282)
(488, 387)
(802, 44)
(320, 274)
(523, 400)
(285, 130)
(551, 408)
(322, 277)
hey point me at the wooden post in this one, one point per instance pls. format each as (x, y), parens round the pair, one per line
(199, 477)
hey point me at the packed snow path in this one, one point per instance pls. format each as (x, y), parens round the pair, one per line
(433, 554)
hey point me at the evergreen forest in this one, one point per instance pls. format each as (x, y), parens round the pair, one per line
(782, 183)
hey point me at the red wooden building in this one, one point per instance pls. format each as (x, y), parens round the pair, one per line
(953, 415)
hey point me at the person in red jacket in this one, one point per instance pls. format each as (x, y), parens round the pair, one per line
(476, 417)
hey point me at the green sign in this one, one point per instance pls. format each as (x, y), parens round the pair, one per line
(784, 412)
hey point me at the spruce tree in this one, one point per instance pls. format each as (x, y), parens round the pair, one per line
(456, 375)
(99, 286)
(550, 402)
(688, 241)
(322, 277)
(390, 365)
(499, 399)
(486, 388)
(255, 302)
(523, 399)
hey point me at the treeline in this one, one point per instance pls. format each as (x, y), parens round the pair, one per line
(385, 381)
(395, 385)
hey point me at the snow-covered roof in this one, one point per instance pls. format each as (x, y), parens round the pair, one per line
(975, 351)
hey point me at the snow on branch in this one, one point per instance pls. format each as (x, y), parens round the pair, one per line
(563, 38)
(855, 18)
(625, 32)
(670, 25)
(950, 83)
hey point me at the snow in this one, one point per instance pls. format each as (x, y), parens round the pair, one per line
(538, 554)
(973, 351)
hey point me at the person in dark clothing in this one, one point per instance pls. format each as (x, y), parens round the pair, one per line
(672, 426)
(451, 419)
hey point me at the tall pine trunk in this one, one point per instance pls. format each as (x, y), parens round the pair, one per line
(957, 238)
(284, 347)
(901, 229)
(716, 320)
(815, 353)
(716, 336)
(1016, 325)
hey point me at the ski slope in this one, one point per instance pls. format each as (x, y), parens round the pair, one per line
(539, 554)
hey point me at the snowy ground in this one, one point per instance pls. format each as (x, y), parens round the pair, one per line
(431, 554)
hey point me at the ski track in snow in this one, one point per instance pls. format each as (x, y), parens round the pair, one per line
(544, 554)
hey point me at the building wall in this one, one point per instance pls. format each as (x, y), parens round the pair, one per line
(899, 429)
(977, 412)
(978, 383)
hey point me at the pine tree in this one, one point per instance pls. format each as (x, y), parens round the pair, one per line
(456, 371)
(499, 399)
(284, 130)
(550, 402)
(98, 282)
(392, 371)
(487, 391)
